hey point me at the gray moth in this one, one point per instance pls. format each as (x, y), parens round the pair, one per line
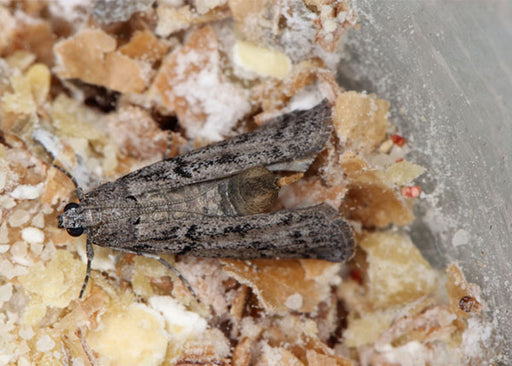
(215, 201)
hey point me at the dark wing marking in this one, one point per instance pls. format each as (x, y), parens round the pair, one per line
(313, 232)
(290, 137)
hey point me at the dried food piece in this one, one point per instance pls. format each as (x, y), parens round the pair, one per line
(144, 46)
(263, 61)
(242, 353)
(464, 297)
(35, 36)
(210, 348)
(280, 25)
(397, 272)
(136, 329)
(174, 19)
(131, 127)
(310, 191)
(403, 172)
(7, 29)
(272, 95)
(334, 18)
(190, 82)
(30, 91)
(50, 285)
(283, 285)
(277, 356)
(361, 120)
(91, 56)
(369, 198)
(110, 11)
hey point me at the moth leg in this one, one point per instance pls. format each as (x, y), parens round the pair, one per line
(179, 275)
(173, 269)
(90, 256)
(167, 153)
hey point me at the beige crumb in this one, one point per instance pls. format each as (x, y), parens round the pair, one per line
(263, 61)
(397, 272)
(369, 198)
(361, 119)
(92, 57)
(274, 282)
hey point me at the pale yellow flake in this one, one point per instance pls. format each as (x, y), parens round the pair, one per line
(263, 61)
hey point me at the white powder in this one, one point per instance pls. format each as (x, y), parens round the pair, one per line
(5, 292)
(4, 234)
(476, 336)
(27, 192)
(19, 253)
(32, 235)
(18, 218)
(77, 361)
(38, 220)
(294, 302)
(22, 361)
(223, 103)
(7, 202)
(26, 332)
(181, 323)
(9, 270)
(3, 180)
(305, 99)
(45, 344)
(411, 354)
(203, 6)
(69, 9)
(36, 248)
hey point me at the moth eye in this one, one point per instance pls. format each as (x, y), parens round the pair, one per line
(75, 231)
(70, 206)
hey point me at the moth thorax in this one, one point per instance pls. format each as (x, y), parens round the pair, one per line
(253, 191)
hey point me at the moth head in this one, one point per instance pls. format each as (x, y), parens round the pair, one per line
(70, 219)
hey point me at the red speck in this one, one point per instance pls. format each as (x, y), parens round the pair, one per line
(357, 276)
(399, 160)
(410, 191)
(398, 140)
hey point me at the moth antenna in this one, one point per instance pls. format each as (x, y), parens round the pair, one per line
(167, 153)
(179, 275)
(90, 256)
(79, 191)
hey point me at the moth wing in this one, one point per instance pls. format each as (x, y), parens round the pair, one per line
(313, 232)
(296, 136)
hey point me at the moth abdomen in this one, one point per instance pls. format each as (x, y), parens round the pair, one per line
(253, 191)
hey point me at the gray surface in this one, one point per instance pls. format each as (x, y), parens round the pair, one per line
(446, 68)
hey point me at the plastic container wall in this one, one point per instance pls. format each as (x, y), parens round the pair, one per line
(446, 68)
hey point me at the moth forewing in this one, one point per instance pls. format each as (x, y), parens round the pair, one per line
(313, 232)
(299, 135)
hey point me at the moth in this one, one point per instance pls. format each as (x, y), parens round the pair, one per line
(215, 201)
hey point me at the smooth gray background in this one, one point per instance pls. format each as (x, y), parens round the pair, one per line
(446, 68)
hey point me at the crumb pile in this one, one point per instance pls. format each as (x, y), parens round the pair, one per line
(102, 87)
